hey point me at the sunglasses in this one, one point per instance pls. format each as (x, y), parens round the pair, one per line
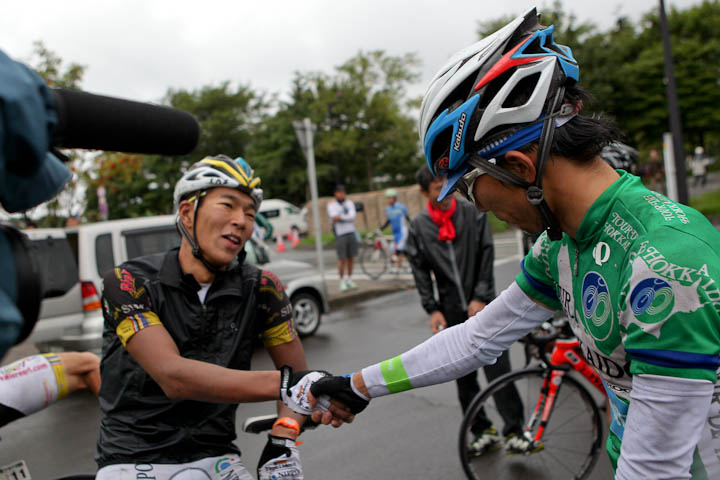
(466, 183)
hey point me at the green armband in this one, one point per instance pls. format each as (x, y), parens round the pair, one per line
(396, 378)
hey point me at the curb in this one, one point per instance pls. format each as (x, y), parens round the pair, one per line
(345, 300)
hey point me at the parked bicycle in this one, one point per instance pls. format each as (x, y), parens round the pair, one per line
(376, 254)
(562, 421)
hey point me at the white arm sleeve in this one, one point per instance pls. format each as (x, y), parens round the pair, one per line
(459, 350)
(664, 423)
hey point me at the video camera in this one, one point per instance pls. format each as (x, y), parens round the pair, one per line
(35, 121)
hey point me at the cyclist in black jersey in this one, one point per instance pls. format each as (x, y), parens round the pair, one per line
(179, 333)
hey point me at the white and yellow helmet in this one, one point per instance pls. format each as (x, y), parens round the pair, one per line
(219, 171)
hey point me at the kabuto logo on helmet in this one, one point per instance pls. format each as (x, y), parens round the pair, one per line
(459, 134)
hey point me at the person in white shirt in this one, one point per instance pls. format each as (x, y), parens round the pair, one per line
(342, 214)
(699, 165)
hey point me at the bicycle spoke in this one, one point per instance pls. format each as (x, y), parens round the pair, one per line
(557, 462)
(557, 426)
(570, 443)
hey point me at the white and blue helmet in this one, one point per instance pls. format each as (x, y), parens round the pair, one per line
(492, 97)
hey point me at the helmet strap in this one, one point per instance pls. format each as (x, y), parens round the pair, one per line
(534, 191)
(535, 194)
(193, 241)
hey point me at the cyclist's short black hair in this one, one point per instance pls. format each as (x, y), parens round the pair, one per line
(424, 178)
(583, 137)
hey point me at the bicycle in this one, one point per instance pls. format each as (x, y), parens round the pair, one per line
(375, 254)
(563, 426)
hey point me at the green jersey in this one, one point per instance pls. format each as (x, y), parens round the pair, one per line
(640, 284)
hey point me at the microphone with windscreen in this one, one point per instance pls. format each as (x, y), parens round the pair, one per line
(97, 122)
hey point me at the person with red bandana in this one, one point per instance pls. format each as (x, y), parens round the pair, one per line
(452, 241)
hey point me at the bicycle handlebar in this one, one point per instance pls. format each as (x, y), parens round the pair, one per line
(541, 341)
(264, 423)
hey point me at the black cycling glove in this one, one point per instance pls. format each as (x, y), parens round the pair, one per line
(340, 389)
(280, 459)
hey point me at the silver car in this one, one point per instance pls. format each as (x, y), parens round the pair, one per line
(303, 284)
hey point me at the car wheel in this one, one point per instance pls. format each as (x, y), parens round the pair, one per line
(307, 313)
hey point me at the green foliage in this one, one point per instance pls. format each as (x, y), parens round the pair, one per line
(366, 135)
(328, 240)
(365, 138)
(497, 225)
(51, 68)
(624, 70)
(133, 187)
(708, 204)
(635, 92)
(567, 30)
(228, 117)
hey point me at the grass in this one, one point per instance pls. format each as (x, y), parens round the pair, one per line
(708, 204)
(328, 239)
(309, 240)
(497, 225)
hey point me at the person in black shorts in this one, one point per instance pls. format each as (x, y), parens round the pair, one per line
(342, 213)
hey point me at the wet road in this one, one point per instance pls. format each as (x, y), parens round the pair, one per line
(409, 435)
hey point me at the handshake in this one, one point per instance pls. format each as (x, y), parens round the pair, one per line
(327, 398)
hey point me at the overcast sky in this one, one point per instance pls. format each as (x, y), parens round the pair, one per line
(137, 49)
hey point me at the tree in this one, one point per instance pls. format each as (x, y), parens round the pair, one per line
(623, 69)
(567, 30)
(68, 202)
(127, 192)
(143, 185)
(365, 138)
(50, 67)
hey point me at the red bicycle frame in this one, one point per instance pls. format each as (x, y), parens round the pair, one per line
(566, 352)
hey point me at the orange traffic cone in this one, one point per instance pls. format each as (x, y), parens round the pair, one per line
(279, 244)
(295, 237)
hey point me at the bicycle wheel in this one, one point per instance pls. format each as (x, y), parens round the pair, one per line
(373, 261)
(571, 441)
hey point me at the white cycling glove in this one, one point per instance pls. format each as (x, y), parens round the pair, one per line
(294, 388)
(280, 459)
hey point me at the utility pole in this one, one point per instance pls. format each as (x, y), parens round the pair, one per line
(673, 110)
(304, 130)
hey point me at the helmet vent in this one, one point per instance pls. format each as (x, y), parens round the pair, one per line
(440, 147)
(522, 92)
(534, 48)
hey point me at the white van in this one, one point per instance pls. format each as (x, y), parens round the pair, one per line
(78, 257)
(284, 216)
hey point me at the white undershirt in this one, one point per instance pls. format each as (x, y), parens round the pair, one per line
(202, 293)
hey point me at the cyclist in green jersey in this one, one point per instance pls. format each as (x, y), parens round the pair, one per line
(637, 274)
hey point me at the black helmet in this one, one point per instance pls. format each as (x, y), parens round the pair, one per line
(619, 155)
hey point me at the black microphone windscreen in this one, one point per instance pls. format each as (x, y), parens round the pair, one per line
(98, 122)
